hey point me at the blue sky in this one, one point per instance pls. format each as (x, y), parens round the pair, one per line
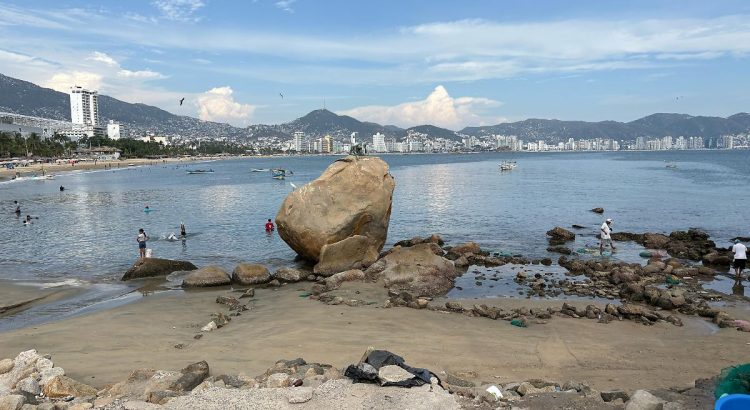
(449, 63)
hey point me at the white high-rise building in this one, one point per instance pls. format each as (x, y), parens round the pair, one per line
(354, 138)
(84, 106)
(113, 130)
(299, 141)
(378, 143)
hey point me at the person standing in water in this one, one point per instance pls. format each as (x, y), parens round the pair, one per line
(269, 226)
(606, 236)
(18, 208)
(183, 232)
(740, 258)
(141, 239)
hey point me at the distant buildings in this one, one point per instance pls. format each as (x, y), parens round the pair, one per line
(378, 143)
(299, 142)
(113, 130)
(84, 113)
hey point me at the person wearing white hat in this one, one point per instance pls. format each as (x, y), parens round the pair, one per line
(606, 236)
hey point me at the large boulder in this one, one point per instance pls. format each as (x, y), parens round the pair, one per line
(151, 267)
(207, 276)
(417, 270)
(352, 197)
(354, 252)
(246, 274)
(63, 386)
(655, 240)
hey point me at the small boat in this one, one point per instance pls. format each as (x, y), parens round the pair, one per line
(259, 170)
(200, 171)
(280, 172)
(42, 177)
(507, 165)
(671, 166)
(278, 177)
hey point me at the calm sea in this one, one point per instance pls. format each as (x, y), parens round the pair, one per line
(87, 233)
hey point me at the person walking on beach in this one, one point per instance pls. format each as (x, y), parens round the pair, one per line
(269, 226)
(141, 239)
(740, 258)
(606, 236)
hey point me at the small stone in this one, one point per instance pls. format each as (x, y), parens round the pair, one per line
(198, 336)
(393, 374)
(643, 400)
(610, 395)
(299, 394)
(278, 380)
(29, 385)
(248, 293)
(209, 327)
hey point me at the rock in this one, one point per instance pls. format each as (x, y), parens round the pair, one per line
(417, 270)
(140, 405)
(80, 406)
(211, 326)
(248, 293)
(299, 395)
(561, 233)
(454, 306)
(393, 374)
(192, 375)
(278, 380)
(227, 300)
(246, 274)
(560, 249)
(643, 400)
(598, 210)
(354, 252)
(455, 380)
(468, 247)
(151, 267)
(29, 385)
(207, 276)
(611, 395)
(289, 275)
(12, 402)
(161, 396)
(655, 240)
(352, 197)
(6, 365)
(63, 386)
(336, 280)
(717, 259)
(527, 388)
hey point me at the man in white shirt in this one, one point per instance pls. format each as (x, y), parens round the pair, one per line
(740, 258)
(606, 236)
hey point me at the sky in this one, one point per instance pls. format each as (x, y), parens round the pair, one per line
(447, 63)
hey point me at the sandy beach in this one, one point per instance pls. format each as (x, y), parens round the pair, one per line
(103, 347)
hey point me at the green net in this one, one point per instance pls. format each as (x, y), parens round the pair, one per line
(734, 380)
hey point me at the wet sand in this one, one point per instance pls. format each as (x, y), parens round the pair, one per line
(103, 347)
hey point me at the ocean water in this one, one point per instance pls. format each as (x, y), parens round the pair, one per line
(88, 231)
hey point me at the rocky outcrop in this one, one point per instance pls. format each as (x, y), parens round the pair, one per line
(417, 270)
(62, 386)
(598, 210)
(352, 197)
(151, 267)
(247, 274)
(207, 276)
(354, 252)
(561, 234)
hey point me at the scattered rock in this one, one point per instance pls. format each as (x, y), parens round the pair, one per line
(527, 388)
(561, 233)
(643, 400)
(151, 267)
(352, 197)
(337, 279)
(278, 380)
(393, 374)
(6, 365)
(12, 402)
(207, 276)
(417, 270)
(289, 275)
(211, 326)
(63, 386)
(248, 293)
(246, 274)
(611, 395)
(468, 247)
(299, 395)
(192, 375)
(598, 210)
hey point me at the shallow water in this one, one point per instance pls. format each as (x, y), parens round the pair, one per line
(88, 231)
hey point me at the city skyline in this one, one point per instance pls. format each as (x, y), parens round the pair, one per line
(446, 64)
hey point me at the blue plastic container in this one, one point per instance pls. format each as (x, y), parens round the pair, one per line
(733, 402)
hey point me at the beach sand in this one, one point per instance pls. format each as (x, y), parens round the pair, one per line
(104, 347)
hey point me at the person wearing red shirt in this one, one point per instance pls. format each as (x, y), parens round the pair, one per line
(269, 226)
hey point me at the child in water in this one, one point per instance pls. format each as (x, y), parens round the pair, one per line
(269, 226)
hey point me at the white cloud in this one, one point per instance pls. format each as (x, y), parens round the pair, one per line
(218, 104)
(142, 74)
(103, 58)
(286, 5)
(439, 108)
(179, 10)
(63, 81)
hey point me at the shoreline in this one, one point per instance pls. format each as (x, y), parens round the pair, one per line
(278, 325)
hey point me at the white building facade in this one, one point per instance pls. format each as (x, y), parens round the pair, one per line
(113, 130)
(378, 143)
(84, 113)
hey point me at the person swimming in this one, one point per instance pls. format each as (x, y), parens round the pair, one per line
(269, 226)
(62, 188)
(183, 232)
(18, 208)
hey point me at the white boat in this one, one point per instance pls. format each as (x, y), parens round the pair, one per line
(507, 165)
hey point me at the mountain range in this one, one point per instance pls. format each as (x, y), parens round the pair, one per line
(22, 97)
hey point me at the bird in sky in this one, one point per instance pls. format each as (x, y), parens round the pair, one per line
(282, 95)
(181, 100)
